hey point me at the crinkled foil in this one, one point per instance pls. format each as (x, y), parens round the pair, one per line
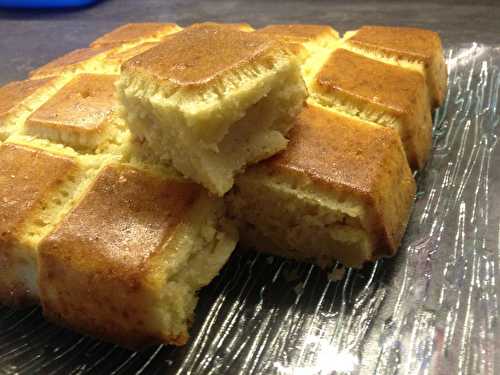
(433, 309)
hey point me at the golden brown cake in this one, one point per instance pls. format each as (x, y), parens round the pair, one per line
(211, 100)
(18, 98)
(115, 58)
(125, 264)
(81, 114)
(33, 187)
(342, 190)
(72, 62)
(135, 32)
(388, 95)
(98, 223)
(235, 26)
(408, 47)
(311, 43)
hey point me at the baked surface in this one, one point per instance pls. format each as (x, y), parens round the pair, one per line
(211, 99)
(341, 190)
(414, 48)
(28, 177)
(132, 231)
(383, 93)
(136, 32)
(79, 114)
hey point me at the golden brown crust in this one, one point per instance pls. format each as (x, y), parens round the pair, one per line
(14, 93)
(119, 57)
(68, 61)
(234, 26)
(402, 42)
(357, 161)
(104, 245)
(27, 177)
(134, 32)
(198, 55)
(83, 105)
(410, 44)
(299, 32)
(380, 84)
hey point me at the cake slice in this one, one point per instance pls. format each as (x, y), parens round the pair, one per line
(126, 262)
(81, 115)
(311, 43)
(77, 61)
(114, 59)
(17, 100)
(342, 190)
(34, 185)
(408, 47)
(388, 95)
(135, 33)
(211, 100)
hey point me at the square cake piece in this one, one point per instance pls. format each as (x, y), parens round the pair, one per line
(17, 98)
(311, 43)
(409, 47)
(33, 187)
(342, 190)
(211, 100)
(73, 62)
(126, 262)
(80, 115)
(135, 33)
(382, 93)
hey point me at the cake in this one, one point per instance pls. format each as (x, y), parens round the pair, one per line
(135, 33)
(388, 95)
(33, 185)
(212, 100)
(341, 191)
(311, 43)
(82, 114)
(126, 262)
(17, 100)
(114, 158)
(412, 48)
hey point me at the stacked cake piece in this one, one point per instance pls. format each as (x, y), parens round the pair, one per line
(128, 167)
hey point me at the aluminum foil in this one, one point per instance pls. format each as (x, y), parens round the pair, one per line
(433, 309)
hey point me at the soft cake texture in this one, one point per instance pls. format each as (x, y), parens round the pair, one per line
(80, 114)
(342, 190)
(382, 93)
(408, 47)
(34, 185)
(154, 238)
(211, 100)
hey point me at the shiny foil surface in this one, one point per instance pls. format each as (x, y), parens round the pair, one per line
(433, 309)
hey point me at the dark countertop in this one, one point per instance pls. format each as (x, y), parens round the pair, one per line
(29, 39)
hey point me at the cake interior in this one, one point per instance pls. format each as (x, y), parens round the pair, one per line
(253, 120)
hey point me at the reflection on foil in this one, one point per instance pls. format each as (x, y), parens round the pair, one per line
(329, 359)
(433, 309)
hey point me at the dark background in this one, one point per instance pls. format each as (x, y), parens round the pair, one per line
(31, 38)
